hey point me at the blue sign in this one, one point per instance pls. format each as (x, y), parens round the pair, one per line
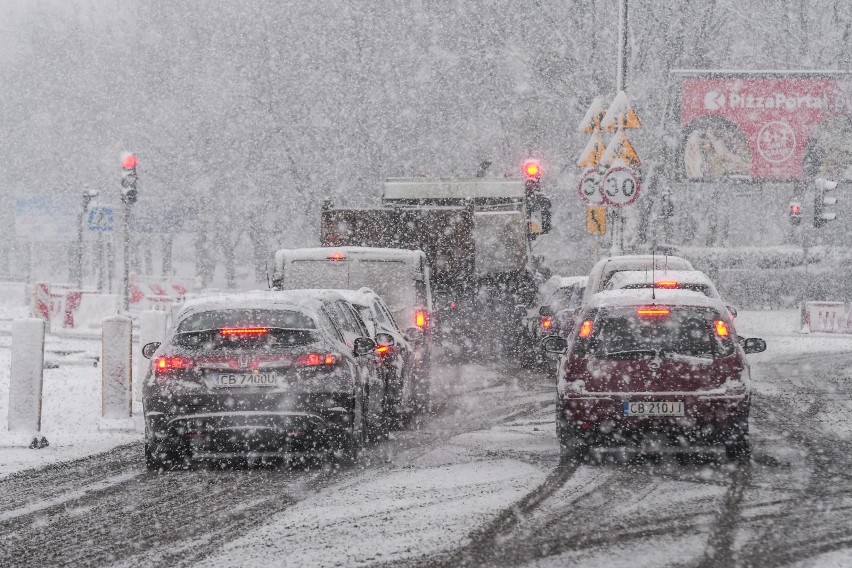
(46, 217)
(100, 219)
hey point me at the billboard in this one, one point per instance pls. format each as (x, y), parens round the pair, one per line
(771, 126)
(46, 217)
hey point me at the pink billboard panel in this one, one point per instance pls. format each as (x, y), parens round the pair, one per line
(783, 128)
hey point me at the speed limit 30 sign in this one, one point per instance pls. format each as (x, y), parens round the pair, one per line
(620, 186)
(589, 187)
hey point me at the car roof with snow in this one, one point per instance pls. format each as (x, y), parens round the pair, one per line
(301, 300)
(333, 253)
(648, 296)
(361, 296)
(556, 282)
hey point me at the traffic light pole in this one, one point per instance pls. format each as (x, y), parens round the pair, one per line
(125, 256)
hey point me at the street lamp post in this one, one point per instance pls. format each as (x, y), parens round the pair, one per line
(128, 198)
(77, 277)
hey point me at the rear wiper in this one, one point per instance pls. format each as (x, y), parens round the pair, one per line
(650, 352)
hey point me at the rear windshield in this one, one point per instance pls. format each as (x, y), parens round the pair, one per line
(701, 288)
(245, 329)
(246, 318)
(621, 334)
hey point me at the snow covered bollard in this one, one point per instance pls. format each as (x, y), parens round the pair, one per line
(26, 379)
(152, 328)
(116, 370)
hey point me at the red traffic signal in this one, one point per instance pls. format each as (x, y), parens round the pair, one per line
(532, 169)
(795, 212)
(129, 161)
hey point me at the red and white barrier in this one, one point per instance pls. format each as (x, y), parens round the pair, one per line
(158, 295)
(827, 317)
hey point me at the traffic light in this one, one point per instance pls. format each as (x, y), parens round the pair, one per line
(532, 175)
(128, 177)
(823, 204)
(795, 213)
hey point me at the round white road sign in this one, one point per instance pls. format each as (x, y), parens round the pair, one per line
(620, 186)
(589, 187)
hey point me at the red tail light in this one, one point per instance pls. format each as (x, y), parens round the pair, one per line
(585, 329)
(668, 284)
(420, 318)
(382, 349)
(546, 322)
(653, 312)
(167, 365)
(244, 331)
(317, 360)
(337, 255)
(722, 329)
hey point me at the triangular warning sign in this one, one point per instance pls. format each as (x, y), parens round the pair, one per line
(591, 154)
(620, 114)
(592, 120)
(620, 149)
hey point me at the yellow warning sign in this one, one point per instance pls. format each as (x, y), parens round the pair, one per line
(620, 152)
(620, 114)
(591, 154)
(592, 120)
(596, 220)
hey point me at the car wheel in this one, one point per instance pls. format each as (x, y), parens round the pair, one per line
(573, 448)
(158, 460)
(738, 444)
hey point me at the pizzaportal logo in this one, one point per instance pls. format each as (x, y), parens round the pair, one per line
(714, 100)
(776, 141)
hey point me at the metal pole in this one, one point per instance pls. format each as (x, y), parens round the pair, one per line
(617, 247)
(125, 276)
(78, 254)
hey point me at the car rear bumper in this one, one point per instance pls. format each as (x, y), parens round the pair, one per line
(208, 429)
(605, 413)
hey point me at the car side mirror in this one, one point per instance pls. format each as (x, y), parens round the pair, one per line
(150, 348)
(545, 311)
(732, 310)
(363, 345)
(754, 345)
(414, 334)
(385, 340)
(554, 344)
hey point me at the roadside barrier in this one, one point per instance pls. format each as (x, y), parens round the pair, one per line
(827, 317)
(26, 379)
(116, 367)
(152, 327)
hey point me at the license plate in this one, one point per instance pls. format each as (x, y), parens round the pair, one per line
(245, 380)
(653, 408)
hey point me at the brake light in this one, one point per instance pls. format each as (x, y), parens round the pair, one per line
(166, 365)
(585, 329)
(382, 349)
(546, 322)
(420, 318)
(653, 312)
(337, 256)
(722, 329)
(244, 331)
(667, 284)
(317, 360)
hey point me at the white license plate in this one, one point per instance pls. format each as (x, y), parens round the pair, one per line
(245, 380)
(653, 408)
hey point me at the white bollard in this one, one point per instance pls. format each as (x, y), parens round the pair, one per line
(116, 368)
(25, 382)
(152, 327)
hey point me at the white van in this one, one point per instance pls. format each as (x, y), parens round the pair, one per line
(400, 277)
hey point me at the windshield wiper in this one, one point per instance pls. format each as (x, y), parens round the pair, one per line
(650, 352)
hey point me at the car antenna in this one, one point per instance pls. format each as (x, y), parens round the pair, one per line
(653, 275)
(266, 269)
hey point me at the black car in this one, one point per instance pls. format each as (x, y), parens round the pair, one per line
(263, 375)
(556, 306)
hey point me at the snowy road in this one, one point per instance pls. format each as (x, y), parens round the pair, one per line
(477, 484)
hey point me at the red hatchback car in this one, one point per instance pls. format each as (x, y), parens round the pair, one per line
(661, 365)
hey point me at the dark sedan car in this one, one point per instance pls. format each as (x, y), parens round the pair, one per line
(260, 376)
